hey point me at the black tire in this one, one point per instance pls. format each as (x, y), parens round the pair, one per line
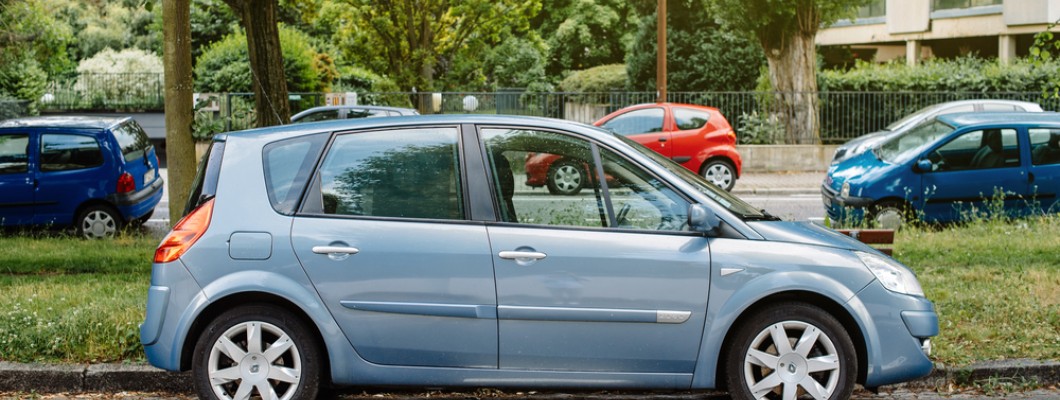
(293, 372)
(890, 214)
(565, 177)
(756, 368)
(720, 172)
(144, 218)
(98, 222)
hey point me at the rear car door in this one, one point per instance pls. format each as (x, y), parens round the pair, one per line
(607, 280)
(17, 181)
(384, 236)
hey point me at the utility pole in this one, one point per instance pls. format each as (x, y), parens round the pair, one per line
(660, 69)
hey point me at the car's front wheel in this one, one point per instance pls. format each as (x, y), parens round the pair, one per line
(790, 350)
(256, 350)
(98, 222)
(890, 214)
(721, 173)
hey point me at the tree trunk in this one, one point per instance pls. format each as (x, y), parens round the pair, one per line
(176, 59)
(259, 19)
(793, 71)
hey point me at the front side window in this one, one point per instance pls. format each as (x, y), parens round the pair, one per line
(636, 122)
(14, 154)
(60, 152)
(403, 173)
(1045, 146)
(633, 199)
(688, 119)
(982, 149)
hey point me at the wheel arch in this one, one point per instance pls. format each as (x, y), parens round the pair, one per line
(96, 202)
(830, 306)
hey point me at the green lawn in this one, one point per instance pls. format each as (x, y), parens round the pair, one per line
(996, 286)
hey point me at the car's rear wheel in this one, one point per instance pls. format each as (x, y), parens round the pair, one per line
(257, 350)
(98, 222)
(721, 173)
(791, 350)
(565, 177)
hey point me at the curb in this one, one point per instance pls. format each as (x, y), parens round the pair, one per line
(113, 378)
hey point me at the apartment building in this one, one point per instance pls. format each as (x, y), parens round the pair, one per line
(917, 29)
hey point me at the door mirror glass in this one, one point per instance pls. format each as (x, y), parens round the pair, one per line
(702, 219)
(924, 165)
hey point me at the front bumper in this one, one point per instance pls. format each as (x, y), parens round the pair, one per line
(844, 208)
(899, 346)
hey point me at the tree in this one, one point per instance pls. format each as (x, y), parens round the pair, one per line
(176, 60)
(594, 33)
(786, 30)
(225, 65)
(417, 41)
(702, 55)
(33, 47)
(259, 20)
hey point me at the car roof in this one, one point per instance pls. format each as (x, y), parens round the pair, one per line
(359, 107)
(668, 104)
(64, 121)
(1025, 104)
(291, 130)
(964, 119)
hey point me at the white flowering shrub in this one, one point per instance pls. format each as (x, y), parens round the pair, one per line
(130, 78)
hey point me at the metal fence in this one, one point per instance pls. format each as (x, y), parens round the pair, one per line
(757, 117)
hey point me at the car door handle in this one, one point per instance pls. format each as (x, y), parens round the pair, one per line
(335, 250)
(521, 255)
(1030, 177)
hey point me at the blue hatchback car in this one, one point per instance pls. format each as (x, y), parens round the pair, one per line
(950, 168)
(95, 173)
(403, 251)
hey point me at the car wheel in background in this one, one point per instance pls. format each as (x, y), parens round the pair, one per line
(98, 222)
(721, 173)
(256, 349)
(787, 350)
(890, 214)
(565, 177)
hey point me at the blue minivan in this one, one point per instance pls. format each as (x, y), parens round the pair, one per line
(951, 168)
(95, 173)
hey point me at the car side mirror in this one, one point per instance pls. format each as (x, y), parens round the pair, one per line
(924, 165)
(702, 219)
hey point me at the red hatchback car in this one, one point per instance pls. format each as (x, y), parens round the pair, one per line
(697, 137)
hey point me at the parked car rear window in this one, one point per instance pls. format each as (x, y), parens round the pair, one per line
(14, 157)
(132, 139)
(60, 152)
(288, 165)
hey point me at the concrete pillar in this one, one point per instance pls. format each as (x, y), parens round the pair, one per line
(912, 52)
(1006, 49)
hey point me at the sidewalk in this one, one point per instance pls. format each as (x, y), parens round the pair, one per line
(115, 378)
(778, 183)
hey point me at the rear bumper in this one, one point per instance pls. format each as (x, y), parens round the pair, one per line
(139, 203)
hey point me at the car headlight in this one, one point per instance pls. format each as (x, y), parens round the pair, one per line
(845, 192)
(894, 276)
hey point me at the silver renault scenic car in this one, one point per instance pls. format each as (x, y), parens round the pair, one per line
(405, 251)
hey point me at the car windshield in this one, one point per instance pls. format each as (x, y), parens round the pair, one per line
(725, 199)
(908, 144)
(909, 118)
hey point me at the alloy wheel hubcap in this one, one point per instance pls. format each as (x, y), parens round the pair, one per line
(889, 218)
(254, 357)
(98, 224)
(719, 175)
(791, 358)
(567, 178)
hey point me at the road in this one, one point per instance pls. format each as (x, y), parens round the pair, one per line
(790, 207)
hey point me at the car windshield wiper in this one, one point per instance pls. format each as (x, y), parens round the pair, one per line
(766, 216)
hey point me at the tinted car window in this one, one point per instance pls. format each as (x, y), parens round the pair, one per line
(288, 164)
(320, 116)
(407, 173)
(989, 148)
(363, 113)
(637, 122)
(68, 152)
(687, 119)
(132, 140)
(1045, 146)
(14, 155)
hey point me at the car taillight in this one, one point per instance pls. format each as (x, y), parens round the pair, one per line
(732, 136)
(185, 233)
(126, 183)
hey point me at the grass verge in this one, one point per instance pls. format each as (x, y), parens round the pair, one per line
(996, 286)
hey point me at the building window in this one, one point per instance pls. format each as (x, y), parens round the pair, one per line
(875, 8)
(957, 4)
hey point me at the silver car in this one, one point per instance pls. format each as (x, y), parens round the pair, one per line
(403, 251)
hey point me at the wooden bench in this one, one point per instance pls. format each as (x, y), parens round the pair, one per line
(881, 239)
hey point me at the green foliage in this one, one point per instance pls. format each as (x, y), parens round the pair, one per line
(701, 55)
(127, 79)
(1045, 51)
(604, 78)
(517, 63)
(594, 33)
(211, 21)
(29, 30)
(225, 65)
(109, 24)
(24, 80)
(759, 128)
(966, 74)
(775, 22)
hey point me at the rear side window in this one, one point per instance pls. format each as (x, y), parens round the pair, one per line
(404, 173)
(132, 140)
(60, 152)
(319, 116)
(288, 164)
(14, 154)
(204, 187)
(688, 119)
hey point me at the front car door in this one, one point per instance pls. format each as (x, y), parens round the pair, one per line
(609, 280)
(384, 237)
(71, 172)
(978, 173)
(17, 180)
(646, 126)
